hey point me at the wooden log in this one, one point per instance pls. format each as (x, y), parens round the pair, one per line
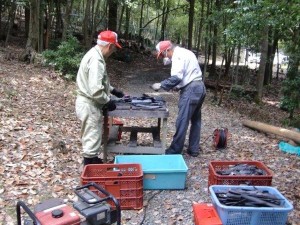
(293, 135)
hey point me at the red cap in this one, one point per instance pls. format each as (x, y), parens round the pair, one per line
(109, 36)
(163, 46)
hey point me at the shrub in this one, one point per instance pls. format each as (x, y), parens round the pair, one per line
(66, 59)
(291, 94)
(238, 92)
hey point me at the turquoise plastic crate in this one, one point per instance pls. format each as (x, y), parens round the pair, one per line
(236, 215)
(160, 172)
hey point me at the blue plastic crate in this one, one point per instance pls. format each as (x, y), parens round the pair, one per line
(236, 215)
(160, 171)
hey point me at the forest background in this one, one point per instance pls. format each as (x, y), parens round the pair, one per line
(232, 29)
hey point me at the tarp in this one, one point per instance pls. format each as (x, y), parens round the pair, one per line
(286, 147)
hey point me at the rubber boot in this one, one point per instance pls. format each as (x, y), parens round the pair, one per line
(94, 160)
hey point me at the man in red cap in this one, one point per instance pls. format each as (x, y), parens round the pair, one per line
(94, 94)
(186, 76)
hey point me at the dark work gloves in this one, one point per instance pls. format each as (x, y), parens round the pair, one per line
(110, 106)
(117, 93)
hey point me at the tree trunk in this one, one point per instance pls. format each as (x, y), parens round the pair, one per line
(191, 21)
(11, 18)
(112, 14)
(262, 65)
(121, 18)
(236, 76)
(200, 27)
(27, 19)
(164, 20)
(33, 36)
(86, 24)
(97, 19)
(228, 59)
(157, 25)
(206, 58)
(49, 19)
(32, 44)
(42, 18)
(215, 43)
(270, 58)
(66, 19)
(141, 22)
(127, 19)
(58, 19)
(1, 8)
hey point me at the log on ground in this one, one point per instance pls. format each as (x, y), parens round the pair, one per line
(263, 127)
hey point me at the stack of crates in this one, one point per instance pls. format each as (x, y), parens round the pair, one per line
(242, 215)
(123, 181)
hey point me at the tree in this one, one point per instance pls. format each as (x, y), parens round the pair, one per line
(112, 14)
(11, 18)
(66, 19)
(262, 64)
(86, 24)
(34, 27)
(191, 21)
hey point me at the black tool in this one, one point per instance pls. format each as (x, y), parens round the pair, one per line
(248, 198)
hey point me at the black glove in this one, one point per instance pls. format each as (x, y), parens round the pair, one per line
(110, 106)
(117, 93)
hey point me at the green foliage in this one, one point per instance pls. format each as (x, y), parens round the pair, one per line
(66, 59)
(291, 93)
(238, 92)
(53, 44)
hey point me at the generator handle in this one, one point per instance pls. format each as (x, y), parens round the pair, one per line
(108, 196)
(28, 211)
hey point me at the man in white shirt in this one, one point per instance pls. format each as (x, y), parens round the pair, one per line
(94, 94)
(186, 76)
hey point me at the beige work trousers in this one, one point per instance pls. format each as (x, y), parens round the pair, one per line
(91, 127)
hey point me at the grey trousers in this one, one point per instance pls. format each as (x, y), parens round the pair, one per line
(190, 103)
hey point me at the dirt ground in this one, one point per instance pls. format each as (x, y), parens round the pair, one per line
(40, 144)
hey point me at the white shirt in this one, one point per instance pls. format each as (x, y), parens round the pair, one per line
(185, 65)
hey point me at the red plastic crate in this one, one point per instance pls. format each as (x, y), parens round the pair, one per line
(132, 202)
(257, 180)
(205, 214)
(123, 181)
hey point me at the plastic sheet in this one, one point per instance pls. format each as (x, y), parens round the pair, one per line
(286, 147)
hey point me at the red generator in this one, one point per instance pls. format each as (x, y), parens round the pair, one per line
(90, 209)
(55, 211)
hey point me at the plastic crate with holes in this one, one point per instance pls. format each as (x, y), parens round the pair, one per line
(123, 181)
(217, 178)
(250, 215)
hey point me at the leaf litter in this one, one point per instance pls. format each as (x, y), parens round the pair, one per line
(40, 144)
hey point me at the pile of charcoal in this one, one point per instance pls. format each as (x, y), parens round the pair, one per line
(248, 198)
(242, 169)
